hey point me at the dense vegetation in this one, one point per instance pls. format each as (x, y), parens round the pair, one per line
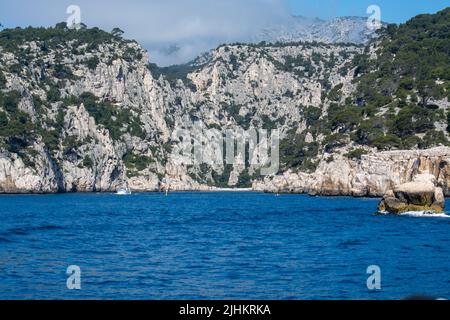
(19, 131)
(174, 73)
(393, 106)
(117, 120)
(395, 90)
(51, 38)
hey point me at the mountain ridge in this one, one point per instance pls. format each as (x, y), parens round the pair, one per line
(296, 29)
(340, 29)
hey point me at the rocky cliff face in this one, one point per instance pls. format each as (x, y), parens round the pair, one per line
(96, 118)
(85, 111)
(70, 143)
(373, 175)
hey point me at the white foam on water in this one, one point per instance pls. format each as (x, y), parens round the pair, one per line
(418, 214)
(424, 214)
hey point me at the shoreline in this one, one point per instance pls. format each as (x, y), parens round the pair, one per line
(370, 177)
(326, 194)
(218, 190)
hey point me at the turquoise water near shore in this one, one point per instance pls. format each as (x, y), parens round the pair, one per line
(216, 246)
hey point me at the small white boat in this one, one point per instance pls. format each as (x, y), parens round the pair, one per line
(124, 192)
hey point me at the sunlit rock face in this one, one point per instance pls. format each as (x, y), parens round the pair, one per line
(127, 136)
(421, 194)
(374, 175)
(101, 118)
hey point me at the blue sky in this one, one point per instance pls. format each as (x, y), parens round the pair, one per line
(195, 26)
(24, 12)
(394, 11)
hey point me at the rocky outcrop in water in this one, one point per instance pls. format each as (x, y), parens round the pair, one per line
(419, 195)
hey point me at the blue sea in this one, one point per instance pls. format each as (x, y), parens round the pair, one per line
(217, 246)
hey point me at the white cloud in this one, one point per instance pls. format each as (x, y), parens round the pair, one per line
(193, 25)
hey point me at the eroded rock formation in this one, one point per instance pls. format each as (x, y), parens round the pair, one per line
(373, 175)
(421, 194)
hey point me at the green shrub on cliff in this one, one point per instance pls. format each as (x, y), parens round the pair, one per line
(412, 120)
(434, 138)
(116, 119)
(88, 162)
(137, 162)
(53, 94)
(10, 101)
(423, 39)
(173, 73)
(2, 80)
(391, 107)
(296, 153)
(50, 38)
(356, 154)
(92, 63)
(16, 129)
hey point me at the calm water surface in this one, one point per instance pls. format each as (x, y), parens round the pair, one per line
(216, 246)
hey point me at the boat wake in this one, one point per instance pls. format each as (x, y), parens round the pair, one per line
(123, 192)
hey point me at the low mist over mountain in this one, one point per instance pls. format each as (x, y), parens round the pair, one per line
(292, 29)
